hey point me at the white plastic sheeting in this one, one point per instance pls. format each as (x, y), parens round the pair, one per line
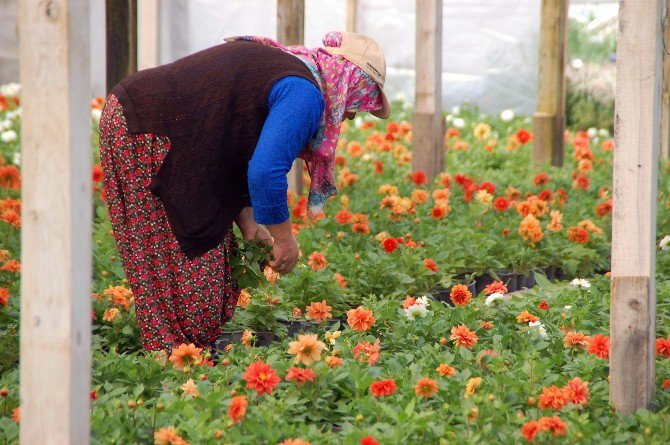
(9, 42)
(489, 47)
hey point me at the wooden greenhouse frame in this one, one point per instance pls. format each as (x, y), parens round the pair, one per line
(56, 235)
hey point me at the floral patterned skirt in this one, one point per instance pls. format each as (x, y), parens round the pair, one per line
(177, 300)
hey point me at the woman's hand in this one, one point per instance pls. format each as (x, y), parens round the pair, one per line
(259, 232)
(285, 249)
(250, 230)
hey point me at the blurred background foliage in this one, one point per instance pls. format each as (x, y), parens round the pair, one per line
(591, 73)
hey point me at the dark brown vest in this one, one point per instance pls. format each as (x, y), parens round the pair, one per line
(212, 106)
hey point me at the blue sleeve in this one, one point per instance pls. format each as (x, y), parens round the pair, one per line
(296, 106)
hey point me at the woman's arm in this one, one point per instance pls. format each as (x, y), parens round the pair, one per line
(295, 106)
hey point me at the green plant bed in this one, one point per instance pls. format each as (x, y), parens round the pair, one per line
(388, 239)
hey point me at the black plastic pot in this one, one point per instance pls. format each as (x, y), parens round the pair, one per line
(549, 272)
(444, 295)
(294, 327)
(265, 338)
(227, 338)
(528, 280)
(509, 279)
(231, 338)
(481, 281)
(559, 274)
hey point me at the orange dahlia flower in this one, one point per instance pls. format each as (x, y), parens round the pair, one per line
(318, 311)
(333, 361)
(574, 339)
(4, 296)
(553, 397)
(577, 391)
(599, 345)
(460, 295)
(530, 429)
(168, 436)
(426, 387)
(553, 424)
(462, 336)
(238, 408)
(261, 377)
(317, 261)
(360, 319)
(307, 349)
(364, 351)
(578, 235)
(445, 370)
(526, 317)
(185, 354)
(496, 286)
(382, 388)
(300, 375)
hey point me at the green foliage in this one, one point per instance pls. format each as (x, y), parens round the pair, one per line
(586, 111)
(587, 45)
(137, 393)
(248, 263)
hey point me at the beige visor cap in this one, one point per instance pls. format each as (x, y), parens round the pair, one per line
(368, 55)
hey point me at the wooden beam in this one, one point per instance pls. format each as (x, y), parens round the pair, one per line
(291, 31)
(148, 38)
(428, 151)
(637, 140)
(121, 39)
(549, 121)
(352, 15)
(56, 222)
(291, 22)
(665, 98)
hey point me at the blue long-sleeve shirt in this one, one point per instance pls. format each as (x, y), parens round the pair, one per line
(296, 106)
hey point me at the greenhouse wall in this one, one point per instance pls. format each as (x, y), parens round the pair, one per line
(489, 49)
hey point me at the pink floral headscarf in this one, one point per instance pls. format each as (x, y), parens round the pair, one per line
(345, 87)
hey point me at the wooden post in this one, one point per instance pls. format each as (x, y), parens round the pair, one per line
(56, 222)
(665, 98)
(148, 38)
(549, 121)
(121, 35)
(291, 31)
(428, 151)
(352, 15)
(636, 132)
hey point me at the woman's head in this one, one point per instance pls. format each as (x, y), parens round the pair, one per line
(365, 85)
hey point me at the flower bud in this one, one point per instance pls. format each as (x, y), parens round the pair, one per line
(160, 406)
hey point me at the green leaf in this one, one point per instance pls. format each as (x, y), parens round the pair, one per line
(139, 389)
